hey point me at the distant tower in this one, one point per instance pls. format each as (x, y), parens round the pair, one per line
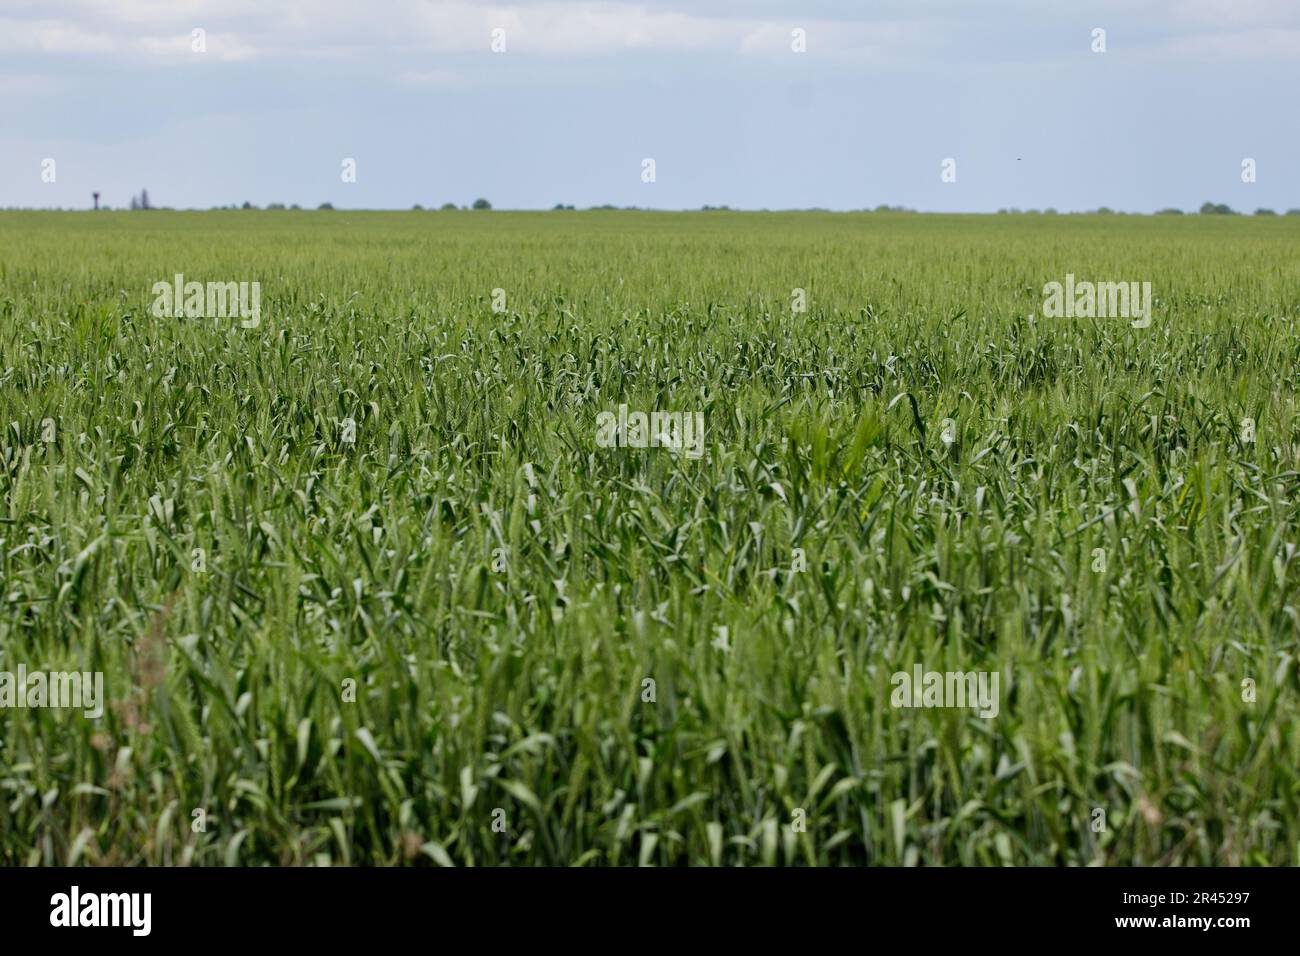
(96, 195)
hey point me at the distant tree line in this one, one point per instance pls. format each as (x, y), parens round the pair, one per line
(142, 201)
(1223, 209)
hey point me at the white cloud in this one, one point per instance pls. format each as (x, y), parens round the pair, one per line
(888, 31)
(1246, 44)
(432, 79)
(25, 84)
(52, 37)
(550, 28)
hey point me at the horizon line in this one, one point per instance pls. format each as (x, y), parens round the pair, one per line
(899, 210)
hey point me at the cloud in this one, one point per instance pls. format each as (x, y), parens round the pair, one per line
(432, 79)
(53, 37)
(889, 31)
(26, 84)
(50, 36)
(553, 28)
(1247, 44)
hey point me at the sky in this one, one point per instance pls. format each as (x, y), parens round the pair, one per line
(578, 95)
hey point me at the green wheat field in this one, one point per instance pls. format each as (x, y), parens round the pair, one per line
(365, 590)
